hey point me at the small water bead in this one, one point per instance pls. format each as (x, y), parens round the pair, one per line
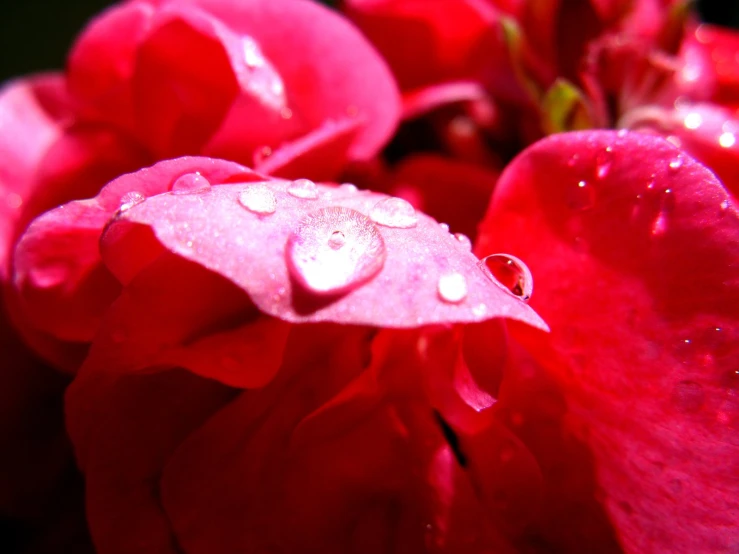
(394, 212)
(509, 273)
(676, 163)
(444, 226)
(348, 187)
(603, 162)
(335, 249)
(191, 183)
(688, 396)
(464, 240)
(303, 188)
(581, 196)
(131, 199)
(667, 205)
(727, 140)
(258, 199)
(452, 288)
(724, 205)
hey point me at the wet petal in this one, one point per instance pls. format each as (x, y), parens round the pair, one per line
(249, 249)
(640, 290)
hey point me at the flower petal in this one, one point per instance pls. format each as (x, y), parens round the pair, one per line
(638, 278)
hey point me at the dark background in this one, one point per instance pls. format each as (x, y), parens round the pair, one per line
(36, 34)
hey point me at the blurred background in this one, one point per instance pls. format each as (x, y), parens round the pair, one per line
(36, 34)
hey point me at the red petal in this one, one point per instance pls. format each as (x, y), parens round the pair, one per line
(637, 273)
(124, 429)
(293, 35)
(195, 320)
(28, 131)
(217, 232)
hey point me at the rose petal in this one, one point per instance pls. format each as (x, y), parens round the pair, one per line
(217, 232)
(638, 278)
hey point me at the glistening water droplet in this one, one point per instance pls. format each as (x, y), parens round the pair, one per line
(509, 273)
(131, 199)
(676, 163)
(303, 188)
(335, 249)
(581, 196)
(464, 240)
(258, 199)
(603, 162)
(191, 183)
(452, 288)
(394, 212)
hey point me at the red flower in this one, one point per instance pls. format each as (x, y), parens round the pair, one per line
(263, 328)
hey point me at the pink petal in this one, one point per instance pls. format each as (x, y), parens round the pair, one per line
(636, 271)
(216, 231)
(293, 35)
(28, 131)
(62, 287)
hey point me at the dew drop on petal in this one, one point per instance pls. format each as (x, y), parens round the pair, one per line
(581, 196)
(191, 183)
(509, 273)
(724, 205)
(688, 396)
(444, 226)
(394, 212)
(676, 163)
(452, 288)
(348, 187)
(667, 205)
(303, 188)
(335, 249)
(603, 162)
(258, 199)
(131, 199)
(464, 240)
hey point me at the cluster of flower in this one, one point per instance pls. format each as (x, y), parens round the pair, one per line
(267, 275)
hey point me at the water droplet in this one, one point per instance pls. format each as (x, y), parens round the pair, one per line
(688, 396)
(286, 113)
(303, 188)
(464, 240)
(724, 205)
(667, 205)
(337, 240)
(509, 273)
(348, 187)
(131, 199)
(727, 140)
(444, 226)
(603, 162)
(693, 120)
(452, 288)
(191, 183)
(581, 196)
(394, 212)
(258, 199)
(622, 133)
(335, 249)
(676, 163)
(261, 154)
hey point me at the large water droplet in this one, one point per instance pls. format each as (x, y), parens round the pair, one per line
(688, 396)
(452, 288)
(464, 240)
(258, 199)
(603, 162)
(509, 273)
(191, 183)
(667, 205)
(394, 212)
(581, 196)
(131, 199)
(335, 249)
(303, 188)
(348, 187)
